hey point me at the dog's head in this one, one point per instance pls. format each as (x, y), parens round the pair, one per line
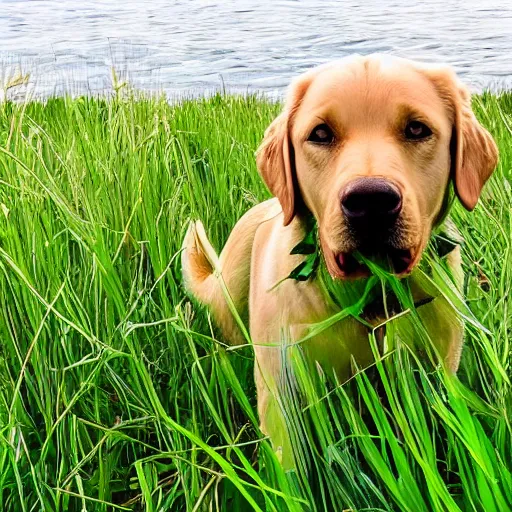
(369, 145)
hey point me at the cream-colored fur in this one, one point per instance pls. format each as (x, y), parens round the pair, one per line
(366, 101)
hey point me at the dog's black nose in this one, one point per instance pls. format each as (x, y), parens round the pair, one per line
(371, 202)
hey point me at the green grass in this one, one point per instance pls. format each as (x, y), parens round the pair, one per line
(117, 393)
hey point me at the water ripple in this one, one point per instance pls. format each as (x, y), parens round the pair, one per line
(196, 46)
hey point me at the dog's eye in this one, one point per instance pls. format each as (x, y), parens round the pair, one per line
(415, 130)
(321, 134)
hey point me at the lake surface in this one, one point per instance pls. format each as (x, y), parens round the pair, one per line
(190, 47)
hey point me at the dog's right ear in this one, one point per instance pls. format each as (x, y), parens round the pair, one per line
(275, 161)
(275, 157)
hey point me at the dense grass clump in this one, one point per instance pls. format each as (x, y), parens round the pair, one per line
(118, 394)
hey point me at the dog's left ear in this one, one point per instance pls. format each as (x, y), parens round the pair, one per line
(473, 150)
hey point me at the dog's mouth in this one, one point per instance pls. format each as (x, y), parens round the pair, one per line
(350, 265)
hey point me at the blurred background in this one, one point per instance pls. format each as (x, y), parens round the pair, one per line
(193, 47)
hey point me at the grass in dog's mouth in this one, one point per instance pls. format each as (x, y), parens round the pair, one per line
(117, 394)
(394, 261)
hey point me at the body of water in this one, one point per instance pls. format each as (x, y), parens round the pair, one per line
(190, 47)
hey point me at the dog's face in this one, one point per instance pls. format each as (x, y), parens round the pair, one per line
(370, 145)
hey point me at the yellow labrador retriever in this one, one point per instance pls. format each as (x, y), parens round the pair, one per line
(368, 147)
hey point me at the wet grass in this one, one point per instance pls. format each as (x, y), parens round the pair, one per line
(117, 393)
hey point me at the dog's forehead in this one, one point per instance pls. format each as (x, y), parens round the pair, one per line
(380, 80)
